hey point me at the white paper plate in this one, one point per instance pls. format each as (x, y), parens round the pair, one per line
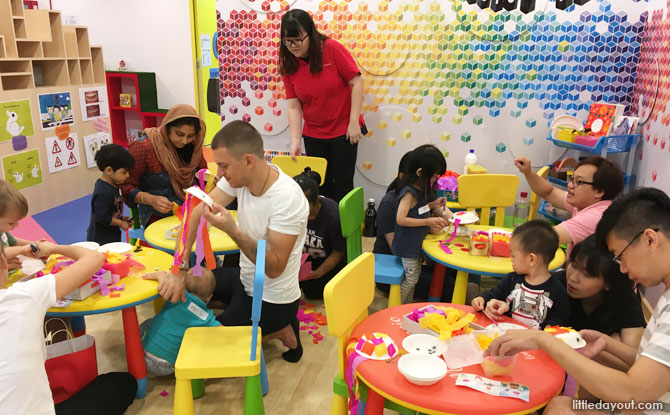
(567, 121)
(466, 217)
(88, 244)
(424, 344)
(200, 194)
(116, 248)
(506, 326)
(572, 339)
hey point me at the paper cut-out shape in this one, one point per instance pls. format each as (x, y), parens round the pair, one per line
(19, 142)
(63, 131)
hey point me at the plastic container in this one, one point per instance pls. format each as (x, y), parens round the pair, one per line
(498, 365)
(370, 229)
(463, 351)
(521, 209)
(470, 159)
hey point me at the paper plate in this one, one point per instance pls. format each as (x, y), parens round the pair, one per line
(465, 216)
(88, 244)
(116, 248)
(200, 194)
(572, 339)
(377, 346)
(567, 121)
(424, 344)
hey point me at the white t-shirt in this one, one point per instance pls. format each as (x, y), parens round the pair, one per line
(655, 343)
(24, 387)
(282, 208)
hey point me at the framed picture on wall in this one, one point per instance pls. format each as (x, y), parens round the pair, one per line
(93, 102)
(55, 110)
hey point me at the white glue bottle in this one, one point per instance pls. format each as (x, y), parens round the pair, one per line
(470, 159)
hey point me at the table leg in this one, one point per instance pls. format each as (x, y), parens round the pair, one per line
(437, 283)
(374, 404)
(460, 288)
(78, 326)
(134, 350)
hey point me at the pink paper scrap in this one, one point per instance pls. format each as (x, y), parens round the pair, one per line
(164, 393)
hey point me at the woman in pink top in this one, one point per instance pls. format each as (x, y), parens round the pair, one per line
(595, 182)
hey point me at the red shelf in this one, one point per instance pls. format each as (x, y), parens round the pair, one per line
(146, 110)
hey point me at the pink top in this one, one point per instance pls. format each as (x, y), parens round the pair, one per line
(582, 223)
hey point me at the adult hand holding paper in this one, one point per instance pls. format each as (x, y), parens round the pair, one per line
(200, 194)
(219, 217)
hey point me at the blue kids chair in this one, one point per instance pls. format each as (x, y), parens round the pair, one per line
(225, 352)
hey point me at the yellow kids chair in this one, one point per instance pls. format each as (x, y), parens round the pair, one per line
(294, 167)
(347, 298)
(534, 198)
(388, 268)
(486, 191)
(225, 352)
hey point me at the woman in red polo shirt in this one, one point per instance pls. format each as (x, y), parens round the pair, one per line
(324, 87)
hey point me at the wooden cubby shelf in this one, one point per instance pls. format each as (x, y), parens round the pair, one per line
(37, 50)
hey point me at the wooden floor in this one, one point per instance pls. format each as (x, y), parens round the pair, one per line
(295, 388)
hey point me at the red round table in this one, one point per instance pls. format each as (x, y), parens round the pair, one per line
(534, 369)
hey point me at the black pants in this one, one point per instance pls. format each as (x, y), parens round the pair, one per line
(230, 290)
(108, 394)
(341, 156)
(314, 288)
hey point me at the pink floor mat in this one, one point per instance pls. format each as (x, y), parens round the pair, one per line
(29, 229)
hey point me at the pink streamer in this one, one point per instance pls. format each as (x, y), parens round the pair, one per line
(445, 248)
(349, 376)
(178, 256)
(453, 234)
(199, 248)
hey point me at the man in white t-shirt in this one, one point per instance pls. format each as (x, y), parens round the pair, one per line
(270, 206)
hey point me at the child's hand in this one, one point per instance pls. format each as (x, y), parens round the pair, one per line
(435, 222)
(155, 276)
(124, 226)
(44, 249)
(523, 164)
(478, 303)
(439, 202)
(496, 308)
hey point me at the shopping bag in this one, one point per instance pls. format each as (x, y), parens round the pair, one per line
(70, 365)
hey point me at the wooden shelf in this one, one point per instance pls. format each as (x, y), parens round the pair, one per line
(83, 47)
(11, 81)
(15, 66)
(37, 25)
(17, 7)
(55, 48)
(3, 51)
(74, 72)
(20, 28)
(54, 72)
(70, 42)
(86, 71)
(28, 48)
(98, 65)
(118, 108)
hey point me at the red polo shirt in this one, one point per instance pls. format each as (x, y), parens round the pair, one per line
(325, 96)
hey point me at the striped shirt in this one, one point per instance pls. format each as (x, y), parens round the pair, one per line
(655, 343)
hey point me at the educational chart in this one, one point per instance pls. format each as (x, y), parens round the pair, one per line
(93, 102)
(15, 119)
(23, 170)
(92, 144)
(62, 154)
(55, 110)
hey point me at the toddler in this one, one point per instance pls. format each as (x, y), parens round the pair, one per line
(416, 201)
(530, 294)
(13, 208)
(164, 333)
(107, 218)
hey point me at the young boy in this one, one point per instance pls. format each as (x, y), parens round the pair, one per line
(107, 217)
(529, 294)
(13, 208)
(164, 333)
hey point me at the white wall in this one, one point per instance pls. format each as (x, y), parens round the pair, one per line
(150, 35)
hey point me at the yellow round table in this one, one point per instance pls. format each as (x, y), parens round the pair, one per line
(155, 235)
(136, 291)
(464, 263)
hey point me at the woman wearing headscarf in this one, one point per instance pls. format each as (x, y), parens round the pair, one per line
(165, 163)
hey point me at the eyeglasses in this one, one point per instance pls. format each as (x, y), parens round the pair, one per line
(294, 42)
(618, 258)
(578, 182)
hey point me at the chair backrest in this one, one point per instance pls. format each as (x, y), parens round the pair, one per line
(293, 168)
(257, 301)
(347, 298)
(534, 198)
(485, 191)
(352, 214)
